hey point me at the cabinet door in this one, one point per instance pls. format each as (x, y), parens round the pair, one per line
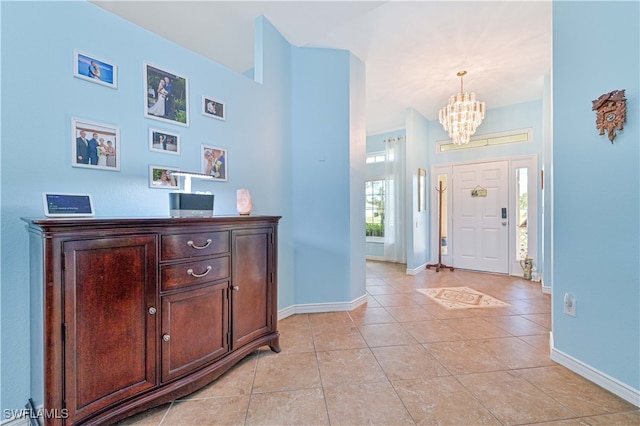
(109, 321)
(252, 280)
(195, 328)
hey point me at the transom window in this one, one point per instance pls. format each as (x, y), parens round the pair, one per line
(377, 157)
(518, 136)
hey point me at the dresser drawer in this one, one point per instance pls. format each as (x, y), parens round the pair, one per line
(191, 273)
(181, 246)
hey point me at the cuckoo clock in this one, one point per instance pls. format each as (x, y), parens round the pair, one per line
(611, 110)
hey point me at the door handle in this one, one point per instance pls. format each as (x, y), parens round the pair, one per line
(504, 223)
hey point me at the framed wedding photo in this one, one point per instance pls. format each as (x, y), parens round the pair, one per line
(160, 178)
(95, 145)
(166, 96)
(95, 70)
(164, 141)
(212, 108)
(214, 162)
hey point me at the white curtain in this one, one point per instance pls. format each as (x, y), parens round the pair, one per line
(394, 232)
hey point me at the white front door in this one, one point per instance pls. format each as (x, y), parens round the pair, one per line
(481, 217)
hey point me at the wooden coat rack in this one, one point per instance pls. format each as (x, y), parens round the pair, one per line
(439, 265)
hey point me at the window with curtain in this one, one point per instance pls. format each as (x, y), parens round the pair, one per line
(374, 207)
(394, 236)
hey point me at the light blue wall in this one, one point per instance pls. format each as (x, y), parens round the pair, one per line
(39, 97)
(273, 67)
(375, 143)
(268, 151)
(597, 188)
(322, 189)
(417, 223)
(374, 250)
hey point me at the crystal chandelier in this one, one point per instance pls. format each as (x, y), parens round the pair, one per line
(462, 116)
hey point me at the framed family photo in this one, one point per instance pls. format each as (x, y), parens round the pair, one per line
(166, 96)
(212, 108)
(214, 162)
(160, 177)
(164, 141)
(96, 70)
(95, 145)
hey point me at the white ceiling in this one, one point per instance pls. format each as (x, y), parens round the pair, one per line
(412, 49)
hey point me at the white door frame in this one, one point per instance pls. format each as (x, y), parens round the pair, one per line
(533, 213)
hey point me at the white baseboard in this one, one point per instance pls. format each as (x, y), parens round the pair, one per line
(314, 308)
(545, 288)
(416, 270)
(618, 388)
(376, 258)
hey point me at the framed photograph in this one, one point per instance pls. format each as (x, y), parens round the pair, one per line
(95, 145)
(163, 141)
(422, 190)
(95, 70)
(160, 177)
(212, 108)
(166, 96)
(214, 162)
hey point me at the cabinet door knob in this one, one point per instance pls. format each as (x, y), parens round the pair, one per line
(152, 310)
(166, 337)
(193, 274)
(236, 288)
(192, 244)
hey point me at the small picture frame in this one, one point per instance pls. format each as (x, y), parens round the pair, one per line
(212, 108)
(214, 162)
(422, 186)
(164, 141)
(166, 96)
(160, 178)
(95, 145)
(91, 68)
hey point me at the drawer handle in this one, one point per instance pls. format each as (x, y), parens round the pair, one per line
(193, 274)
(191, 244)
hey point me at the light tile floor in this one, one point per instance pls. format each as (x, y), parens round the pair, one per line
(403, 359)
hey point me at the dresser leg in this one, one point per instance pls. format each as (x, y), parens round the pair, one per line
(274, 344)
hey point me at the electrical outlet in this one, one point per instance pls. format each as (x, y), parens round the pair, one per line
(569, 305)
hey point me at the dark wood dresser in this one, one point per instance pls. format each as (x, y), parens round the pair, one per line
(141, 311)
